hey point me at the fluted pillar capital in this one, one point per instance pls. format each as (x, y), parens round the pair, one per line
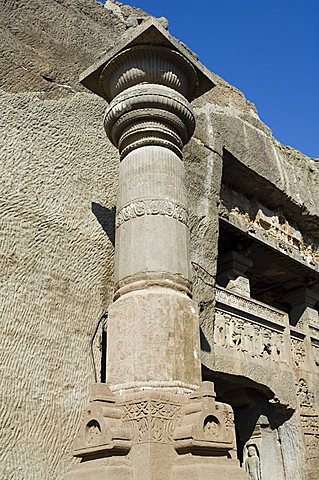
(149, 55)
(148, 82)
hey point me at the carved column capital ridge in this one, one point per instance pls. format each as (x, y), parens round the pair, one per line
(152, 64)
(149, 114)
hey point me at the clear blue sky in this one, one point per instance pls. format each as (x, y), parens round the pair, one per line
(269, 49)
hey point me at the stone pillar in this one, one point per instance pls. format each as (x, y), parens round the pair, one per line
(304, 323)
(153, 323)
(231, 274)
(302, 301)
(154, 419)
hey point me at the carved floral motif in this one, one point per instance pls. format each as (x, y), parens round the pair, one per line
(151, 420)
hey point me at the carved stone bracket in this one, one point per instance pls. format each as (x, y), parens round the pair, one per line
(206, 426)
(102, 430)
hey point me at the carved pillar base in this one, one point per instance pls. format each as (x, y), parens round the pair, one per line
(156, 435)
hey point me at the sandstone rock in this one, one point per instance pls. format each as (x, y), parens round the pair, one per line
(58, 187)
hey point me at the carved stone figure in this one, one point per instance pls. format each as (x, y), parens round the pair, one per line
(252, 463)
(220, 330)
(304, 395)
(240, 333)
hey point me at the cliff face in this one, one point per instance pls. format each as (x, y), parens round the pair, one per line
(59, 176)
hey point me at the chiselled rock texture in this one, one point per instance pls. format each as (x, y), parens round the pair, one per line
(58, 184)
(56, 269)
(57, 218)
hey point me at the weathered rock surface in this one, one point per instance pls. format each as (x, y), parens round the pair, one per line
(58, 184)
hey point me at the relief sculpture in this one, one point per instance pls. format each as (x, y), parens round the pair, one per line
(252, 463)
(151, 420)
(240, 334)
(309, 418)
(305, 396)
(152, 206)
(299, 352)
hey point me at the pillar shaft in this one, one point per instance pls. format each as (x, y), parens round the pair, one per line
(153, 328)
(151, 223)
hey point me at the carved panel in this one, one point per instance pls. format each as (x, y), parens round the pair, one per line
(298, 352)
(314, 332)
(310, 424)
(152, 206)
(248, 305)
(151, 420)
(240, 334)
(305, 397)
(309, 418)
(229, 420)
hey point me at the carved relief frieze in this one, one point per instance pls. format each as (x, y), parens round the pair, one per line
(256, 340)
(298, 352)
(310, 424)
(269, 224)
(253, 307)
(309, 418)
(151, 419)
(152, 206)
